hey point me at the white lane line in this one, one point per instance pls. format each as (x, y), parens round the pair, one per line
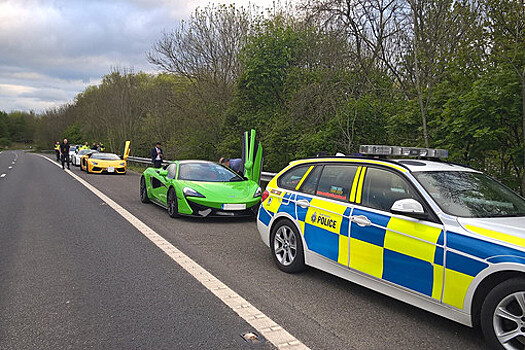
(3, 175)
(10, 167)
(273, 332)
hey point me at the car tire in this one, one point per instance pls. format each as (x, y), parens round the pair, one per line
(143, 190)
(287, 247)
(173, 209)
(503, 315)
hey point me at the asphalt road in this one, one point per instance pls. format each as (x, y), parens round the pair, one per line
(88, 279)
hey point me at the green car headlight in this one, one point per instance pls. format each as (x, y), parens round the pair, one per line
(190, 192)
(257, 192)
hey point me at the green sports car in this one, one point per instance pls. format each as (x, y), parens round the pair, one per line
(203, 188)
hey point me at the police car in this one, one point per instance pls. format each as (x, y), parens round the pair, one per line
(440, 236)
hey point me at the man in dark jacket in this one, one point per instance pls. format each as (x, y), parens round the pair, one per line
(64, 153)
(156, 156)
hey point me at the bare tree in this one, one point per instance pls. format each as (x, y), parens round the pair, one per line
(206, 47)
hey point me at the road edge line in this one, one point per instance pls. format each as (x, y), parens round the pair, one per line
(272, 331)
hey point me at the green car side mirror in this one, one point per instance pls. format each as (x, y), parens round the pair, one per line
(163, 172)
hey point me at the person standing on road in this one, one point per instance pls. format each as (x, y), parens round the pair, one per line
(86, 146)
(64, 153)
(156, 156)
(57, 150)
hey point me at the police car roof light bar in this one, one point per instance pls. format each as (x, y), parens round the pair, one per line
(379, 150)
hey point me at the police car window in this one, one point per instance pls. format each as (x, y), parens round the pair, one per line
(382, 188)
(291, 179)
(336, 181)
(171, 171)
(310, 184)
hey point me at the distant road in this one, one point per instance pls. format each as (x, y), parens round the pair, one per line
(74, 274)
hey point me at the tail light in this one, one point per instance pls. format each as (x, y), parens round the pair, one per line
(265, 195)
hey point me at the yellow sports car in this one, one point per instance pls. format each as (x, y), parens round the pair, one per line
(109, 163)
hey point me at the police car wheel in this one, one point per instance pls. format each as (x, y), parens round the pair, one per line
(172, 204)
(503, 315)
(287, 247)
(143, 190)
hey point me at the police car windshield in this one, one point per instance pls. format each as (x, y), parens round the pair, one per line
(207, 172)
(470, 194)
(84, 151)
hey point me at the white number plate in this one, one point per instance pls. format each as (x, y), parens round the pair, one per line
(111, 169)
(233, 206)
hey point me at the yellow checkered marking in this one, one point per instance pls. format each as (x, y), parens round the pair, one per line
(275, 203)
(334, 211)
(343, 250)
(331, 210)
(497, 235)
(437, 288)
(366, 257)
(456, 286)
(410, 246)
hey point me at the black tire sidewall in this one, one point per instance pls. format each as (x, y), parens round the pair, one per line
(492, 300)
(175, 214)
(298, 264)
(143, 183)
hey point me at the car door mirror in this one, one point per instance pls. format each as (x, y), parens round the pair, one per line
(409, 207)
(163, 172)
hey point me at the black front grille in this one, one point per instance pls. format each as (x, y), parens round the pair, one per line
(201, 210)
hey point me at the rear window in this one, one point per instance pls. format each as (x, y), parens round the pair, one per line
(336, 181)
(292, 177)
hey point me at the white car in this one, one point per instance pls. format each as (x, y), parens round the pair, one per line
(72, 152)
(75, 158)
(436, 235)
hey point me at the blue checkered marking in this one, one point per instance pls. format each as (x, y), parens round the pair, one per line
(264, 216)
(507, 259)
(477, 247)
(370, 234)
(464, 264)
(288, 205)
(396, 265)
(438, 256)
(322, 241)
(301, 212)
(345, 224)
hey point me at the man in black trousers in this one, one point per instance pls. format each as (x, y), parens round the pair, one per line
(64, 153)
(156, 156)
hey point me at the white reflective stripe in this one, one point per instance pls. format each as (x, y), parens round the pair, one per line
(273, 332)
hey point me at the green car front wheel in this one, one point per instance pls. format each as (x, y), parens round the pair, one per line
(172, 203)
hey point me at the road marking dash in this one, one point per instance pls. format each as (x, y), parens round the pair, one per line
(10, 167)
(273, 332)
(3, 175)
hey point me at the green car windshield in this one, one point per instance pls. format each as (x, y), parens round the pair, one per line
(207, 172)
(470, 194)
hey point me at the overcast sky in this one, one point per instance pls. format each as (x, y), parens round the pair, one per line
(51, 50)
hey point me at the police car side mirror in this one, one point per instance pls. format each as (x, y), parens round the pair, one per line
(409, 207)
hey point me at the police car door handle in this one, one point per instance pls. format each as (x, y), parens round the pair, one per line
(361, 220)
(303, 203)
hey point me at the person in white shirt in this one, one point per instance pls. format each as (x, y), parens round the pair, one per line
(156, 156)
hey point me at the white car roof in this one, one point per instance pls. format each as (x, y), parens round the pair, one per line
(416, 165)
